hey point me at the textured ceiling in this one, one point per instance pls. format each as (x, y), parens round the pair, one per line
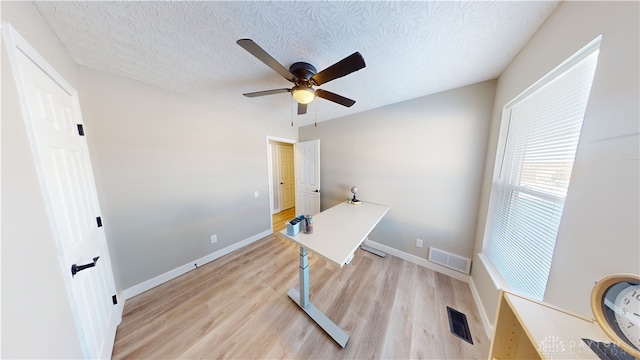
(411, 49)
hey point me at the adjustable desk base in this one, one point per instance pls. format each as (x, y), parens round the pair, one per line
(335, 244)
(302, 299)
(321, 319)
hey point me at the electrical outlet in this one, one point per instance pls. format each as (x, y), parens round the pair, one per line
(256, 194)
(419, 243)
(214, 238)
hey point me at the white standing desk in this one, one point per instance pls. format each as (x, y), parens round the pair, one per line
(337, 233)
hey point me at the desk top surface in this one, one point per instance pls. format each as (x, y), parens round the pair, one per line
(338, 231)
(559, 330)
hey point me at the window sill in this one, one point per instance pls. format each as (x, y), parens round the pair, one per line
(499, 282)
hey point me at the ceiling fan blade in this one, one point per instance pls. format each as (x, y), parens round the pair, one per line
(266, 92)
(346, 66)
(263, 56)
(302, 109)
(328, 95)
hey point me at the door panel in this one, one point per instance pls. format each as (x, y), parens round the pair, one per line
(307, 157)
(287, 178)
(67, 183)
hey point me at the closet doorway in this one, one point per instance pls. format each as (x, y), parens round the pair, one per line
(282, 181)
(287, 180)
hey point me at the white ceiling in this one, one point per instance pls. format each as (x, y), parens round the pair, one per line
(411, 49)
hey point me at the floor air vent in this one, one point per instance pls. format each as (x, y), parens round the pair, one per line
(458, 325)
(449, 260)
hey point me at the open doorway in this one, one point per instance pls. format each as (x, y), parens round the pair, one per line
(281, 181)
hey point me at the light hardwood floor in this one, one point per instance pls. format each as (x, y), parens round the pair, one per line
(237, 307)
(280, 219)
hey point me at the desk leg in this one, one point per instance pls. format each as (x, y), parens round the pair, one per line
(302, 299)
(304, 278)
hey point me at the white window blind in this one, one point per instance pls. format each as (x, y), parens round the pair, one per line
(536, 149)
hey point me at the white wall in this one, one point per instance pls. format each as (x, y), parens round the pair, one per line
(172, 171)
(424, 158)
(599, 233)
(37, 321)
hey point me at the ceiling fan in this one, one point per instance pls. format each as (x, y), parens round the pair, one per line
(304, 76)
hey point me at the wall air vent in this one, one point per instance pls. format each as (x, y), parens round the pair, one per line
(449, 260)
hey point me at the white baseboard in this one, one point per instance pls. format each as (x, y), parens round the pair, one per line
(172, 274)
(120, 306)
(486, 322)
(418, 261)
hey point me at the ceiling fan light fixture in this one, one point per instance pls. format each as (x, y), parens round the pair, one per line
(303, 94)
(304, 76)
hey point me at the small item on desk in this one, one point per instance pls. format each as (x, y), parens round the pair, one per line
(354, 200)
(308, 225)
(294, 226)
(607, 351)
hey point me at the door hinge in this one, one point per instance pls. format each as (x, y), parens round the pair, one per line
(99, 221)
(114, 299)
(80, 130)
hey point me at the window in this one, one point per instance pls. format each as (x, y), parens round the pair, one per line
(539, 135)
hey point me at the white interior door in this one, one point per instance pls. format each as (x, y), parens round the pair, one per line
(307, 157)
(287, 178)
(54, 122)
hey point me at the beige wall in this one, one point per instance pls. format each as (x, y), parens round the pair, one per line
(599, 233)
(172, 171)
(424, 158)
(37, 321)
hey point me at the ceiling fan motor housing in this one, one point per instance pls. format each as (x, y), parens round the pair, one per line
(303, 71)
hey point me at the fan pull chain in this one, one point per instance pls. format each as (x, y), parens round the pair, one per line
(291, 109)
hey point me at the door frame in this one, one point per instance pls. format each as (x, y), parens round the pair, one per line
(14, 43)
(270, 170)
(279, 168)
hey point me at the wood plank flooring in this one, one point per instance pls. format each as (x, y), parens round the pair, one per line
(236, 307)
(280, 219)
